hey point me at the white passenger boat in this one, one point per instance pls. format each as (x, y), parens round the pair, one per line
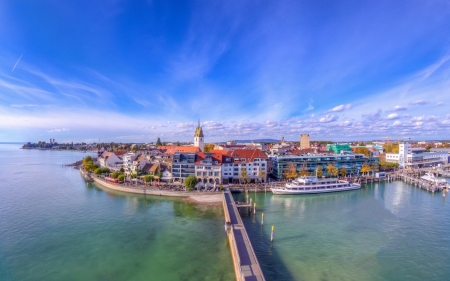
(433, 179)
(312, 185)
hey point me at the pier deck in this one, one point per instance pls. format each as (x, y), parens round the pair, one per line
(246, 265)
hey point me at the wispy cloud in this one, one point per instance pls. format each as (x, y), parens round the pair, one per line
(310, 106)
(17, 62)
(340, 108)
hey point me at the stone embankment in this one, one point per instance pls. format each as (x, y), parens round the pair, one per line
(198, 197)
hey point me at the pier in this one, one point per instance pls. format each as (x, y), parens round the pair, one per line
(246, 266)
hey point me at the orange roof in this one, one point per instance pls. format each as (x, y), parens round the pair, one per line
(174, 148)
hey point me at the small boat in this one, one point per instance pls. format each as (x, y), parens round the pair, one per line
(313, 185)
(430, 177)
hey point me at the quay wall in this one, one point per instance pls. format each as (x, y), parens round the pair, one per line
(210, 197)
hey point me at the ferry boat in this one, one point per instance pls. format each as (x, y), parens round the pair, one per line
(433, 179)
(312, 185)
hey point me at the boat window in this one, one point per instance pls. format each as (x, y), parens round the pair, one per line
(301, 188)
(313, 183)
(307, 188)
(294, 188)
(313, 188)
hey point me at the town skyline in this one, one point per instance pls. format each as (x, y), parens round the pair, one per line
(132, 72)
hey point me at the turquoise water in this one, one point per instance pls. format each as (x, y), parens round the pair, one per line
(54, 226)
(387, 231)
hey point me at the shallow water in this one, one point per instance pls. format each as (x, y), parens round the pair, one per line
(55, 226)
(386, 231)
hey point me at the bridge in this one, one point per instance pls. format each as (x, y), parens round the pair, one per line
(246, 266)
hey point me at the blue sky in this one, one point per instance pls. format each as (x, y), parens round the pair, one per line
(130, 71)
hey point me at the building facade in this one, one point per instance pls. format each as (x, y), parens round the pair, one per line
(183, 166)
(409, 157)
(338, 147)
(244, 165)
(351, 162)
(208, 168)
(304, 141)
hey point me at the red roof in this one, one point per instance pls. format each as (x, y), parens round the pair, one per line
(247, 154)
(201, 156)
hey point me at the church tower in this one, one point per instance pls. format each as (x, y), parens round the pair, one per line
(198, 137)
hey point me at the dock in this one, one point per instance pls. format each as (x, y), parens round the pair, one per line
(246, 266)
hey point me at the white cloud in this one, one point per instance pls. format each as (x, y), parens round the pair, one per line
(392, 116)
(328, 119)
(397, 123)
(400, 108)
(439, 103)
(310, 106)
(420, 102)
(340, 108)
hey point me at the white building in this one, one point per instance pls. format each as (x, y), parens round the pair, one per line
(416, 157)
(208, 167)
(128, 159)
(254, 162)
(111, 160)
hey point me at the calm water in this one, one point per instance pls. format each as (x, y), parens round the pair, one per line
(54, 226)
(390, 231)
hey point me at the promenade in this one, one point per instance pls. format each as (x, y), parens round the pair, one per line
(195, 196)
(246, 264)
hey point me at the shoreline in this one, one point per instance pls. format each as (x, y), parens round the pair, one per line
(211, 198)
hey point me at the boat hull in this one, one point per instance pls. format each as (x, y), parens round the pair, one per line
(281, 191)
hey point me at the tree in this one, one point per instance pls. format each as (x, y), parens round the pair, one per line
(362, 150)
(304, 170)
(158, 142)
(90, 166)
(343, 172)
(262, 176)
(97, 171)
(115, 175)
(291, 171)
(148, 178)
(243, 175)
(178, 143)
(365, 168)
(208, 147)
(190, 182)
(319, 172)
(121, 177)
(332, 171)
(87, 159)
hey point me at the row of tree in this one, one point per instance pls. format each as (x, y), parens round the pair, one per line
(291, 170)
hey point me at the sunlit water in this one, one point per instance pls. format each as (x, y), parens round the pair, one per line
(54, 226)
(387, 231)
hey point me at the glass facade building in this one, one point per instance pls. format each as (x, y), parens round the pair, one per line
(351, 162)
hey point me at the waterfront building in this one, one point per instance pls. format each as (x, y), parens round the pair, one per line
(111, 160)
(338, 147)
(351, 162)
(183, 165)
(199, 137)
(208, 167)
(138, 164)
(409, 157)
(244, 165)
(128, 159)
(304, 141)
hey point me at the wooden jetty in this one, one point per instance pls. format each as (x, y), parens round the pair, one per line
(246, 266)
